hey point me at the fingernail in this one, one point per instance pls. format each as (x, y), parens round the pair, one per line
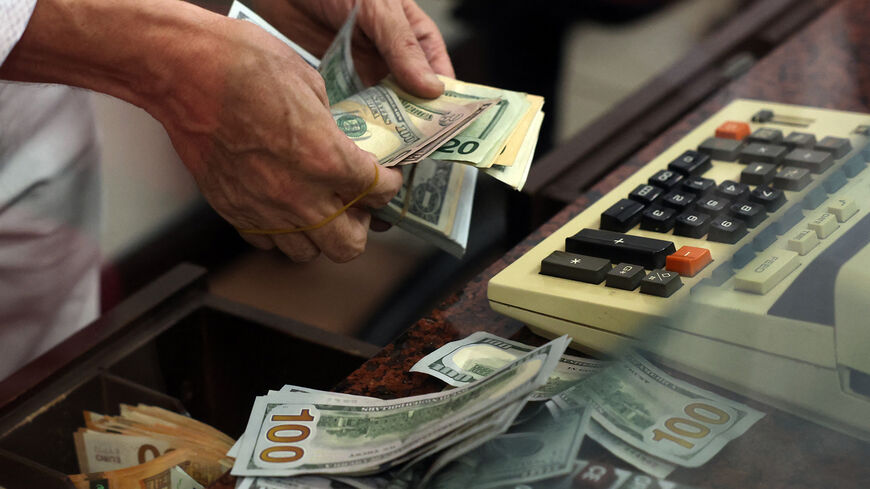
(433, 81)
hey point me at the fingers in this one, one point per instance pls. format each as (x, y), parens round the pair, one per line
(345, 237)
(389, 184)
(297, 246)
(359, 174)
(387, 26)
(430, 39)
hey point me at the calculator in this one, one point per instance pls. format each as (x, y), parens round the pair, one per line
(738, 255)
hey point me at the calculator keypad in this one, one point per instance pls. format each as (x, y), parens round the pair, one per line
(680, 199)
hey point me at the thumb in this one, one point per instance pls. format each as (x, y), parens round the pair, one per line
(387, 26)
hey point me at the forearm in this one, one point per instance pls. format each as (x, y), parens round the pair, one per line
(132, 49)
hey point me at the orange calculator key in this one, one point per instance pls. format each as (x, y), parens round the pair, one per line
(733, 130)
(688, 260)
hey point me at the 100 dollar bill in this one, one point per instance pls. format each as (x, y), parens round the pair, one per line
(654, 412)
(480, 354)
(292, 434)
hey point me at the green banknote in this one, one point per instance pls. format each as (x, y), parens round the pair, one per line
(336, 67)
(482, 140)
(434, 203)
(239, 11)
(401, 129)
(298, 433)
(480, 354)
(640, 459)
(541, 448)
(658, 414)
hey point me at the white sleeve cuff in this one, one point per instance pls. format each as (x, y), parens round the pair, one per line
(14, 16)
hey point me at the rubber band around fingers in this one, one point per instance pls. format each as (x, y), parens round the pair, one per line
(322, 223)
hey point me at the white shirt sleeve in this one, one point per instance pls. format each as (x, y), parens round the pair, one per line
(14, 15)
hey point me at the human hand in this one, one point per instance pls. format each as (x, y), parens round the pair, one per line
(246, 115)
(256, 133)
(393, 36)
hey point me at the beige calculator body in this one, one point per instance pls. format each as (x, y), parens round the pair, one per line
(782, 314)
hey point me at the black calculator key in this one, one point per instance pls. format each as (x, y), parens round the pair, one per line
(666, 179)
(800, 140)
(839, 147)
(758, 174)
(622, 215)
(645, 194)
(762, 153)
(726, 229)
(692, 224)
(691, 163)
(698, 186)
(791, 178)
(815, 161)
(732, 190)
(646, 252)
(721, 148)
(572, 266)
(713, 205)
(765, 135)
(678, 200)
(658, 219)
(771, 198)
(662, 283)
(624, 276)
(751, 214)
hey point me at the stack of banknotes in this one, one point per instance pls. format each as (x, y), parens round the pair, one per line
(147, 446)
(441, 143)
(512, 415)
(515, 415)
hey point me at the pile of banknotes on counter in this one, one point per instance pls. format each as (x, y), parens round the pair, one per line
(512, 415)
(515, 415)
(441, 143)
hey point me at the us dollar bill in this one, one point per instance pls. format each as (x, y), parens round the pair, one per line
(541, 448)
(434, 203)
(401, 129)
(480, 354)
(239, 11)
(458, 445)
(484, 138)
(336, 67)
(296, 434)
(636, 457)
(289, 388)
(516, 174)
(658, 414)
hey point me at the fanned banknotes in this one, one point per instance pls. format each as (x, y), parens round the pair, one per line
(469, 128)
(479, 354)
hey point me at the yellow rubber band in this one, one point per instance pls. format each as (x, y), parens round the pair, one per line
(323, 222)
